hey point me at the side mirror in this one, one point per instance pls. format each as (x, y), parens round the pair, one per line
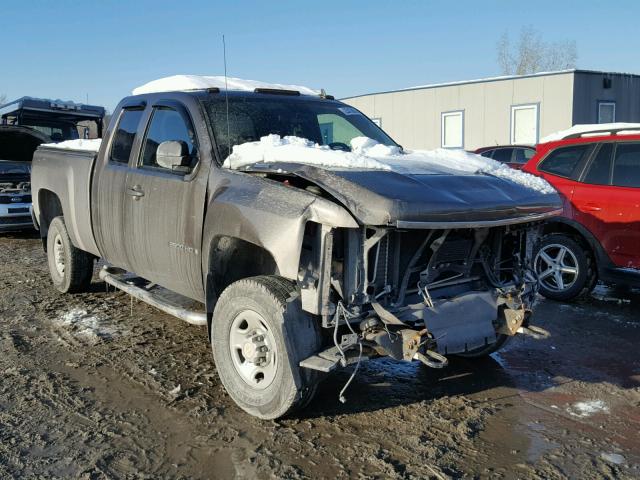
(173, 155)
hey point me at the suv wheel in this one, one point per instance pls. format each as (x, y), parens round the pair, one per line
(259, 335)
(565, 268)
(70, 268)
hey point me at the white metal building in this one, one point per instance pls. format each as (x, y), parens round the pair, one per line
(502, 110)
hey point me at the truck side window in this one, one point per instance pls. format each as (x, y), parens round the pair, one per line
(626, 169)
(565, 161)
(166, 125)
(124, 136)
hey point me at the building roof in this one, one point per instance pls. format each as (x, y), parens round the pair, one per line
(493, 79)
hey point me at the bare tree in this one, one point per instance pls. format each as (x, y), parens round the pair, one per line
(532, 54)
(3, 98)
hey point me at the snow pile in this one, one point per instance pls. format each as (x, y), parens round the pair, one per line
(604, 128)
(80, 323)
(587, 408)
(200, 82)
(368, 154)
(84, 145)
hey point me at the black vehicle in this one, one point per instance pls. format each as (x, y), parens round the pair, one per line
(24, 124)
(296, 269)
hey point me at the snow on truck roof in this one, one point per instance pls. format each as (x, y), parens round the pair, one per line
(181, 83)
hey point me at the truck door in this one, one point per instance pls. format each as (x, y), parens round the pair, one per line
(108, 198)
(165, 205)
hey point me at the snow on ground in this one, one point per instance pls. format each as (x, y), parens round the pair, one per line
(200, 82)
(369, 154)
(80, 144)
(631, 129)
(81, 323)
(587, 408)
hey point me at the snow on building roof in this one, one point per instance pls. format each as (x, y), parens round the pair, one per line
(200, 82)
(594, 129)
(492, 79)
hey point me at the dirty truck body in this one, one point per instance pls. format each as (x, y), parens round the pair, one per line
(296, 269)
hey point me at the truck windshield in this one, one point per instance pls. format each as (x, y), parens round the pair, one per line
(324, 122)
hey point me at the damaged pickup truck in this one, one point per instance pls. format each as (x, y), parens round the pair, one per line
(293, 227)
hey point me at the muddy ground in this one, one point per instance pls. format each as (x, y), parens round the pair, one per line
(97, 386)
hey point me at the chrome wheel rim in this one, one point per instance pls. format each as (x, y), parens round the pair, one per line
(557, 267)
(58, 254)
(253, 349)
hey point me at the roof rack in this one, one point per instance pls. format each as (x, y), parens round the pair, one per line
(604, 131)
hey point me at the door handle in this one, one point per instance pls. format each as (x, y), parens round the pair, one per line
(592, 207)
(136, 192)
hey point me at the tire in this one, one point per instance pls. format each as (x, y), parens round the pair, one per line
(258, 313)
(569, 276)
(70, 268)
(501, 341)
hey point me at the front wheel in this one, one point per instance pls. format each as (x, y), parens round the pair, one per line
(70, 268)
(259, 335)
(565, 269)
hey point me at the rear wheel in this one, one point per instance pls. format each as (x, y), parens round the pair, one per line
(70, 268)
(565, 269)
(259, 335)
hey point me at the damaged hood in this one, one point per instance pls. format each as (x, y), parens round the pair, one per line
(429, 198)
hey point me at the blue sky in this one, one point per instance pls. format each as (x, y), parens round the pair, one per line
(70, 49)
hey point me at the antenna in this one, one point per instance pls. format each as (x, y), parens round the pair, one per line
(226, 98)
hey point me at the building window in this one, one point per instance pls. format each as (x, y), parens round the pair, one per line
(606, 112)
(377, 121)
(524, 124)
(453, 129)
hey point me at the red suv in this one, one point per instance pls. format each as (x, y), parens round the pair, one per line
(598, 235)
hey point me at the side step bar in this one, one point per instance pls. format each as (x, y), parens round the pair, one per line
(150, 294)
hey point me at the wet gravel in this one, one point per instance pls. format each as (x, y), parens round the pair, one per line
(99, 386)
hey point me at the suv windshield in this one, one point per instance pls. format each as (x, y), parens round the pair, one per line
(324, 122)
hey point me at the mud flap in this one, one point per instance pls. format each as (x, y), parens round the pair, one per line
(463, 323)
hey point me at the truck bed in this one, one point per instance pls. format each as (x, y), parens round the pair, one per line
(68, 173)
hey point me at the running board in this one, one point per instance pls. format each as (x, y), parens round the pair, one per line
(155, 295)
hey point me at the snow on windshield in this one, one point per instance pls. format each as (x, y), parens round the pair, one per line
(180, 83)
(368, 154)
(603, 128)
(80, 144)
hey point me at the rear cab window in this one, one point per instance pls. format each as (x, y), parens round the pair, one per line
(566, 161)
(125, 135)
